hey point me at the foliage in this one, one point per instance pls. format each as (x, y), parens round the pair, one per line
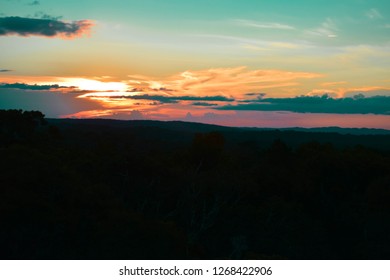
(93, 190)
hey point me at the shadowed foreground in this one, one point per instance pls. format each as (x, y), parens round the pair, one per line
(100, 189)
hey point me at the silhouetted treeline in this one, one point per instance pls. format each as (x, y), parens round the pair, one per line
(96, 189)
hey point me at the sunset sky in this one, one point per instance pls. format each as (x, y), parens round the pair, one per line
(237, 63)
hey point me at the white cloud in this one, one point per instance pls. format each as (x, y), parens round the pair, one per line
(373, 14)
(264, 25)
(327, 29)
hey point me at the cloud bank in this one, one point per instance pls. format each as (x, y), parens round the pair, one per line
(173, 99)
(317, 104)
(31, 87)
(25, 27)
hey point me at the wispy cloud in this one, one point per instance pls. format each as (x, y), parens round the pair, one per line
(327, 29)
(195, 90)
(330, 84)
(254, 44)
(190, 89)
(43, 27)
(221, 81)
(373, 14)
(5, 70)
(264, 25)
(285, 45)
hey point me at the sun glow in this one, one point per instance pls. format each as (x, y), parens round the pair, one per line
(87, 84)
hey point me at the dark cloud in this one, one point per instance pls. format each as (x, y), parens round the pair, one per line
(159, 98)
(163, 89)
(31, 87)
(174, 99)
(206, 104)
(76, 90)
(34, 3)
(255, 94)
(371, 93)
(43, 27)
(204, 98)
(5, 70)
(259, 98)
(318, 104)
(136, 90)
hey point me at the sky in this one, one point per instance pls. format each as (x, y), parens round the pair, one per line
(236, 63)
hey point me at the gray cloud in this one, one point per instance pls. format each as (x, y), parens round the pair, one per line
(258, 98)
(174, 99)
(371, 93)
(203, 98)
(255, 94)
(206, 104)
(5, 70)
(162, 89)
(47, 27)
(318, 104)
(31, 87)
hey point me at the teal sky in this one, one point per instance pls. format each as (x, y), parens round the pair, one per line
(340, 48)
(227, 32)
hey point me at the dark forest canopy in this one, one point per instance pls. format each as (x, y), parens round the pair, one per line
(104, 189)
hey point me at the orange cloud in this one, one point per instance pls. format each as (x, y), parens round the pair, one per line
(226, 81)
(232, 83)
(330, 84)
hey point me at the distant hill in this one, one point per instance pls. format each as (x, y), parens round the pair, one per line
(201, 127)
(335, 129)
(179, 132)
